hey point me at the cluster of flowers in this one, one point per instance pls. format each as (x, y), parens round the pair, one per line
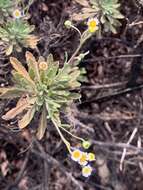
(83, 158)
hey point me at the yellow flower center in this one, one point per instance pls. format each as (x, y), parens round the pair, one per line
(76, 154)
(17, 13)
(92, 24)
(43, 65)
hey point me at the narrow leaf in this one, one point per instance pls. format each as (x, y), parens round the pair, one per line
(89, 10)
(83, 2)
(33, 64)
(25, 99)
(9, 50)
(82, 16)
(27, 118)
(15, 111)
(50, 60)
(42, 125)
(10, 92)
(21, 70)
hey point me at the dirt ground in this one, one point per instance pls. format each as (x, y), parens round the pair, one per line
(110, 112)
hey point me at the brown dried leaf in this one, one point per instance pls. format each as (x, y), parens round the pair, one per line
(9, 50)
(89, 10)
(21, 70)
(10, 92)
(80, 16)
(30, 58)
(21, 100)
(33, 63)
(4, 167)
(32, 41)
(15, 111)
(83, 2)
(27, 118)
(117, 115)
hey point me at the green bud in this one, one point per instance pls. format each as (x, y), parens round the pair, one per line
(82, 55)
(68, 23)
(86, 144)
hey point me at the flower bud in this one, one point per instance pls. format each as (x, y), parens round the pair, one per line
(68, 24)
(43, 66)
(86, 144)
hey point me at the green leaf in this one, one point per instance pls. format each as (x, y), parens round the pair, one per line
(66, 126)
(5, 4)
(50, 60)
(42, 125)
(75, 96)
(113, 29)
(21, 82)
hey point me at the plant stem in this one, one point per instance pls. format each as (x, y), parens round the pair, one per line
(83, 38)
(75, 28)
(61, 135)
(79, 138)
(74, 54)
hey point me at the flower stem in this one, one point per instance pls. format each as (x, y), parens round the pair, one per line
(61, 135)
(83, 38)
(79, 138)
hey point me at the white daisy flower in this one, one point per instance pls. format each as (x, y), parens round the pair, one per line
(92, 24)
(86, 171)
(83, 160)
(17, 14)
(76, 155)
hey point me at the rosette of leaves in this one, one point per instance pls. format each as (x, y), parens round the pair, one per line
(16, 34)
(5, 7)
(106, 10)
(46, 91)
